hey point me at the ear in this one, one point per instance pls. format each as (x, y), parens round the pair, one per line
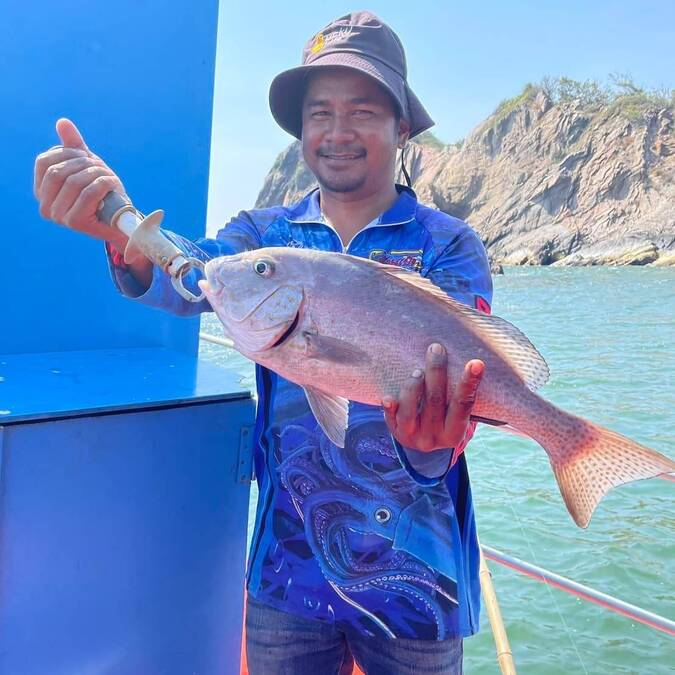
(403, 133)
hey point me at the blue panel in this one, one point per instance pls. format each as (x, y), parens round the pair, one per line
(122, 543)
(61, 384)
(137, 77)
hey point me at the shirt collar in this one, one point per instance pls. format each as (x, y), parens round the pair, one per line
(401, 211)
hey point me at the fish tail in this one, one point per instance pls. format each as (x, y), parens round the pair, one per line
(589, 460)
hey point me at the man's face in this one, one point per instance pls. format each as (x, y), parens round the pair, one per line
(350, 132)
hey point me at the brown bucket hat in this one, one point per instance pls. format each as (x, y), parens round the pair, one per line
(360, 41)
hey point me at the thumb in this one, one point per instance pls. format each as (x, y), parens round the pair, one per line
(70, 135)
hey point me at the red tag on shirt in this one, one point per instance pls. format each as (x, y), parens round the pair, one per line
(116, 257)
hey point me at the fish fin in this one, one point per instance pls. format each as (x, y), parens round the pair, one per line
(334, 349)
(331, 412)
(508, 340)
(589, 460)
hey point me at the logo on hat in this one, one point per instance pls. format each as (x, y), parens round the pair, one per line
(340, 35)
(322, 40)
(318, 44)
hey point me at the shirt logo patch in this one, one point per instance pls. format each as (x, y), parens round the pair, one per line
(409, 260)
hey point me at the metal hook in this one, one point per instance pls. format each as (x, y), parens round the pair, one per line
(177, 280)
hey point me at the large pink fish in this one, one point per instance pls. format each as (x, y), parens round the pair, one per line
(346, 328)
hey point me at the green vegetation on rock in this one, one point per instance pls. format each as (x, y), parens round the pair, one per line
(510, 104)
(632, 101)
(589, 93)
(620, 96)
(430, 139)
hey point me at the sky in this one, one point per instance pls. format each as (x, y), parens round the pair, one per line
(463, 59)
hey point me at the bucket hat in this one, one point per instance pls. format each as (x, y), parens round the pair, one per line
(360, 41)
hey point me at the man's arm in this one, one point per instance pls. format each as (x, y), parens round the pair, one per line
(430, 419)
(70, 181)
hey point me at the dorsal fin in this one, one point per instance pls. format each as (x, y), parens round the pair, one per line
(513, 345)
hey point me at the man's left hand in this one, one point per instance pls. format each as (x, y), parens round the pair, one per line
(426, 416)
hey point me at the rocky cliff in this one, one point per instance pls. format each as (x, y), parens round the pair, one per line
(546, 181)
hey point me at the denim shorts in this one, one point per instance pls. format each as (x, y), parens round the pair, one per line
(278, 643)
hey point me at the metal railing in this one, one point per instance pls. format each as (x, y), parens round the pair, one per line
(580, 591)
(223, 342)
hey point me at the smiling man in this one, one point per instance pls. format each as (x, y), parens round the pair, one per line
(369, 550)
(351, 129)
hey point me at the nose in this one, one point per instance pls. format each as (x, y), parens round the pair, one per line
(341, 130)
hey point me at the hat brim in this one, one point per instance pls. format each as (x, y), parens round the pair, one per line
(287, 91)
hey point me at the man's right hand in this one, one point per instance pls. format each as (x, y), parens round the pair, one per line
(70, 181)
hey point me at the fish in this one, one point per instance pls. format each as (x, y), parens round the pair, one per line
(351, 329)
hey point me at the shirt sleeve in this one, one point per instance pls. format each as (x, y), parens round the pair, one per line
(462, 270)
(240, 234)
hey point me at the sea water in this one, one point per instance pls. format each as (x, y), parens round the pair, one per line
(608, 335)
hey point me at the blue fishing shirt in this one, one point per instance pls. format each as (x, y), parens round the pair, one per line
(373, 537)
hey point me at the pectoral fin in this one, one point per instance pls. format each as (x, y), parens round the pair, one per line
(333, 349)
(331, 413)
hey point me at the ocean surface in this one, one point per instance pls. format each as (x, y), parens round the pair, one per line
(608, 335)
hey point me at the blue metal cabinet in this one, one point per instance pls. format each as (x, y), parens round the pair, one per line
(123, 514)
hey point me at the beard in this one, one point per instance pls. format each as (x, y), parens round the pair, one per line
(344, 180)
(340, 183)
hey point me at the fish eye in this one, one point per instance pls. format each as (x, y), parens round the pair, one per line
(263, 267)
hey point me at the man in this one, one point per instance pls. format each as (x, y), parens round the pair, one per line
(369, 550)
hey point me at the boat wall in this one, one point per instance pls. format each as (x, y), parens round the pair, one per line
(137, 78)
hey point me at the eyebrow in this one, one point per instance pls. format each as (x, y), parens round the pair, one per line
(319, 102)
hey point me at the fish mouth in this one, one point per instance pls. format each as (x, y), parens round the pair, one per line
(287, 333)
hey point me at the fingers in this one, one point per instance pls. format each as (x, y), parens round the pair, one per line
(407, 415)
(83, 210)
(62, 183)
(52, 157)
(71, 190)
(438, 423)
(464, 396)
(69, 134)
(390, 407)
(435, 388)
(74, 186)
(72, 145)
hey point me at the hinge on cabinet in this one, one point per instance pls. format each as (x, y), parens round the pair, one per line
(245, 458)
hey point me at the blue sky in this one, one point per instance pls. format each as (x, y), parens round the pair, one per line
(463, 59)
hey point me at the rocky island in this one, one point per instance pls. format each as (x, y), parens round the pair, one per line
(565, 173)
